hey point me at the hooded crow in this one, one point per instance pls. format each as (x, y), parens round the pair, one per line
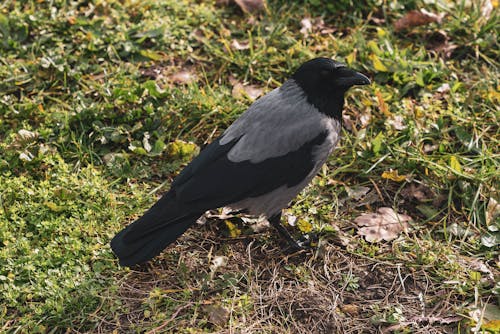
(257, 166)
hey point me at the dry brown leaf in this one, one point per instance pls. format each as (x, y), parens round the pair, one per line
(430, 148)
(386, 225)
(351, 309)
(419, 192)
(184, 76)
(356, 192)
(439, 41)
(251, 91)
(365, 119)
(152, 73)
(417, 18)
(348, 123)
(309, 25)
(486, 9)
(397, 122)
(217, 314)
(218, 262)
(251, 6)
(26, 136)
(237, 45)
(198, 35)
(444, 88)
(492, 211)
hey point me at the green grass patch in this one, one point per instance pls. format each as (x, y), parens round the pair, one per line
(94, 125)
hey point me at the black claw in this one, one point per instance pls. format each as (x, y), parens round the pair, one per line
(293, 245)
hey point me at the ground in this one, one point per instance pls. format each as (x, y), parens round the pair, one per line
(103, 102)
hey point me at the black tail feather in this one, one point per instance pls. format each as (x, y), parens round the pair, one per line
(156, 229)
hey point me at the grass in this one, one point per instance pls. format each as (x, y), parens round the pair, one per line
(93, 127)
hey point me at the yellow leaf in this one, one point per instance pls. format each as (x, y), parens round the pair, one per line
(377, 64)
(381, 32)
(455, 164)
(53, 206)
(179, 149)
(493, 326)
(393, 175)
(351, 58)
(304, 226)
(373, 47)
(154, 55)
(234, 231)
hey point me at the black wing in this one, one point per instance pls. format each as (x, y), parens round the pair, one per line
(211, 180)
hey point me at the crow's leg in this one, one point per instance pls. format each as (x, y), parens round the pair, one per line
(276, 223)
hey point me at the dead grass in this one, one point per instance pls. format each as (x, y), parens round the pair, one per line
(307, 292)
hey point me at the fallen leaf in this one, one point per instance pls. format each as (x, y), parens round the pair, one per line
(490, 240)
(351, 309)
(386, 225)
(492, 211)
(153, 55)
(458, 230)
(217, 314)
(251, 6)
(53, 206)
(290, 219)
(306, 26)
(237, 45)
(26, 156)
(455, 164)
(393, 175)
(152, 72)
(218, 262)
(356, 192)
(397, 122)
(145, 142)
(198, 35)
(430, 148)
(419, 192)
(377, 63)
(304, 226)
(382, 105)
(250, 91)
(417, 18)
(234, 231)
(486, 9)
(444, 88)
(27, 136)
(487, 316)
(365, 119)
(439, 41)
(477, 265)
(347, 121)
(181, 150)
(184, 76)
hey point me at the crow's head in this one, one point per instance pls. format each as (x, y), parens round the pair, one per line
(324, 81)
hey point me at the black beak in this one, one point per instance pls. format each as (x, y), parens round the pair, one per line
(350, 78)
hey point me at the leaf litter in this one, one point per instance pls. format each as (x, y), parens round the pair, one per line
(384, 225)
(416, 18)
